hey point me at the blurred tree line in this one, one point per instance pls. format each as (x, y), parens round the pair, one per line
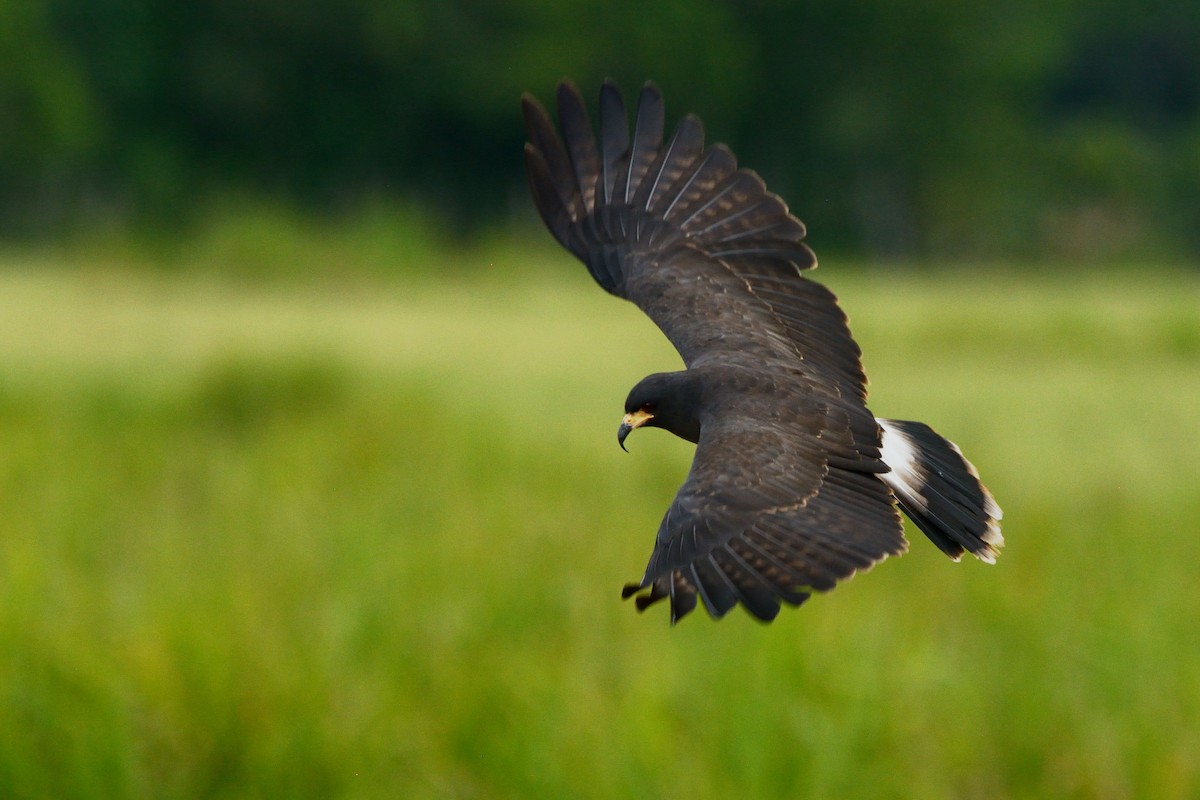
(1007, 130)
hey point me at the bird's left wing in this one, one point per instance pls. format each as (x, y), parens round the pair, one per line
(701, 246)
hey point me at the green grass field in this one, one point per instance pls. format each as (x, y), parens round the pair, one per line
(366, 539)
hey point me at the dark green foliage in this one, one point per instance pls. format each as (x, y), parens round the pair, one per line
(938, 127)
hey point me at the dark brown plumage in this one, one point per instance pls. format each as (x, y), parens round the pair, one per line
(794, 484)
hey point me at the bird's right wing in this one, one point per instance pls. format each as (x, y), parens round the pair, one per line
(774, 508)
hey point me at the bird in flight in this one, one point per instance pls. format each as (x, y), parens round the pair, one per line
(795, 484)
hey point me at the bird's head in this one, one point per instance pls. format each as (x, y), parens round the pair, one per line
(667, 400)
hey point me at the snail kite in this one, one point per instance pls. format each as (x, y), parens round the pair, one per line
(794, 484)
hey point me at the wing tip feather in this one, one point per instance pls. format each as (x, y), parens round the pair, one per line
(625, 174)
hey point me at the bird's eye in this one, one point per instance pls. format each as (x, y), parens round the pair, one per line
(648, 408)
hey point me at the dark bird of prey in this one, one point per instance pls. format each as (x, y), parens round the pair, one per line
(794, 484)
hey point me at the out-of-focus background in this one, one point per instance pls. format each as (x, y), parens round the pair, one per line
(308, 480)
(1028, 130)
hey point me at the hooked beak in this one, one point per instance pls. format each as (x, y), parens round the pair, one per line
(634, 420)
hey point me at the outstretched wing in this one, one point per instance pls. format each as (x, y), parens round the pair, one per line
(703, 248)
(782, 498)
(742, 528)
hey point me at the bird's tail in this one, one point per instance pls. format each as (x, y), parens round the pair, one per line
(940, 490)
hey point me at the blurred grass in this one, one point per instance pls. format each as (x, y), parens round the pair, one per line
(365, 538)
